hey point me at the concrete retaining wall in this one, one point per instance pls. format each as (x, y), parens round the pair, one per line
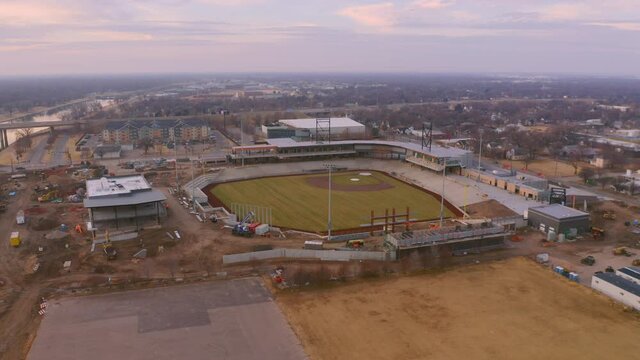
(324, 255)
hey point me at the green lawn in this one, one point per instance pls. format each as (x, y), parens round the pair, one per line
(300, 205)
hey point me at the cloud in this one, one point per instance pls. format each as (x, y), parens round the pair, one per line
(431, 4)
(567, 11)
(626, 26)
(33, 12)
(374, 15)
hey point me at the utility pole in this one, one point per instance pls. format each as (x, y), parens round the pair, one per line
(444, 170)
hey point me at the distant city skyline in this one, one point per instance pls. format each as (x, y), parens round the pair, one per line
(429, 36)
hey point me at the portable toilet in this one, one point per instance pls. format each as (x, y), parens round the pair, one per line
(20, 217)
(15, 239)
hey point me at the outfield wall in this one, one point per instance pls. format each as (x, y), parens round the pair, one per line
(324, 255)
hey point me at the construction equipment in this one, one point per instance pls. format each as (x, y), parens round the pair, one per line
(53, 194)
(109, 250)
(609, 269)
(589, 260)
(621, 251)
(597, 233)
(636, 262)
(15, 240)
(243, 227)
(609, 215)
(355, 244)
(241, 230)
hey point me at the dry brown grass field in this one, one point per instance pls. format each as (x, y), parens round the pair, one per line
(512, 309)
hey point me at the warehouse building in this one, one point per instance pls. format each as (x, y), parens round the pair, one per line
(559, 219)
(617, 288)
(631, 273)
(123, 203)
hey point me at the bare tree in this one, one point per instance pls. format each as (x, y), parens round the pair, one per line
(587, 173)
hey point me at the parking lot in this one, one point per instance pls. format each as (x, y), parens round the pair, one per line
(235, 319)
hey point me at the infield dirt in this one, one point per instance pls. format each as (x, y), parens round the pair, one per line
(513, 309)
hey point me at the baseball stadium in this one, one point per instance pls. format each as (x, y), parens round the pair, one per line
(300, 202)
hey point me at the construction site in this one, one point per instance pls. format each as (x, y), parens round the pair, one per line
(97, 229)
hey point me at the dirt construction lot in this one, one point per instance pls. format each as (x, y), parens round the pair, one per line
(512, 309)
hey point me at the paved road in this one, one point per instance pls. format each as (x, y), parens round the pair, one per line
(235, 319)
(59, 156)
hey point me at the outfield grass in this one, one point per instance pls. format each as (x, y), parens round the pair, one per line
(299, 205)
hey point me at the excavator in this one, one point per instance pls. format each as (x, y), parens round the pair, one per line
(109, 250)
(53, 194)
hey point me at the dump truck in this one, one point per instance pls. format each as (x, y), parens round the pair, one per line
(15, 240)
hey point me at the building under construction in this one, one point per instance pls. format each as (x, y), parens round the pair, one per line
(453, 240)
(123, 203)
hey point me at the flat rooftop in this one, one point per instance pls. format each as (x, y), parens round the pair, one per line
(558, 211)
(620, 282)
(632, 271)
(310, 123)
(114, 186)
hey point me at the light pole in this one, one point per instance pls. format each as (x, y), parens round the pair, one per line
(241, 142)
(444, 170)
(480, 152)
(329, 225)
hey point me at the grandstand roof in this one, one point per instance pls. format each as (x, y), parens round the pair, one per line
(310, 123)
(436, 151)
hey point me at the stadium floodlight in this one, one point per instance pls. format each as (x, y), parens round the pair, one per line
(444, 170)
(331, 167)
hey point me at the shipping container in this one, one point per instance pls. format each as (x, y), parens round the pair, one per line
(20, 217)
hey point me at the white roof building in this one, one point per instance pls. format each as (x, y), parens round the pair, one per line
(340, 126)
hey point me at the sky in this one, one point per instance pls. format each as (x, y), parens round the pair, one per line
(428, 36)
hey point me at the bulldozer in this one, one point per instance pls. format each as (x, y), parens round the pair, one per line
(621, 251)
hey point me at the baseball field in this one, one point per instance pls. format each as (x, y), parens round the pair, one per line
(301, 201)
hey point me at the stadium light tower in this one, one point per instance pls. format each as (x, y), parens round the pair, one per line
(331, 167)
(444, 170)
